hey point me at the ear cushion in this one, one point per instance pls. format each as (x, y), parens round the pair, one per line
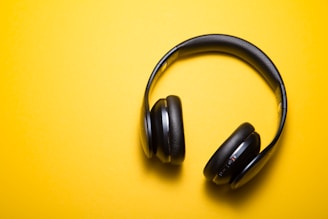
(176, 133)
(226, 149)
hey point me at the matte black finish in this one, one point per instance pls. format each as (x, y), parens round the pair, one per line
(251, 169)
(160, 124)
(176, 133)
(226, 149)
(152, 133)
(239, 158)
(168, 135)
(146, 133)
(235, 47)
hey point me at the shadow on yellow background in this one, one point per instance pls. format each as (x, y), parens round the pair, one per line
(173, 173)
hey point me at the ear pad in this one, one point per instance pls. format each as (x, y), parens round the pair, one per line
(176, 134)
(233, 155)
(167, 127)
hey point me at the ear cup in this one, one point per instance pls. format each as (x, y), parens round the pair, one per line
(236, 162)
(242, 145)
(167, 128)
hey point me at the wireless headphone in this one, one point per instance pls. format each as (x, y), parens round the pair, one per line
(239, 158)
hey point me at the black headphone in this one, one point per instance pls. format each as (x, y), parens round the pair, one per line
(239, 158)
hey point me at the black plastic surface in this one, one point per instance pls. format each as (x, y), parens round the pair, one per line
(237, 161)
(226, 149)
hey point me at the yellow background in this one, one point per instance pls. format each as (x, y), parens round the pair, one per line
(72, 77)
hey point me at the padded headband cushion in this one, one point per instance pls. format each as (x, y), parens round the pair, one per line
(226, 149)
(176, 133)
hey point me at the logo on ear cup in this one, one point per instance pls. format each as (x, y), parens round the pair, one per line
(227, 165)
(239, 158)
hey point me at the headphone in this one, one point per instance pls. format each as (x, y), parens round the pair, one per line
(239, 158)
